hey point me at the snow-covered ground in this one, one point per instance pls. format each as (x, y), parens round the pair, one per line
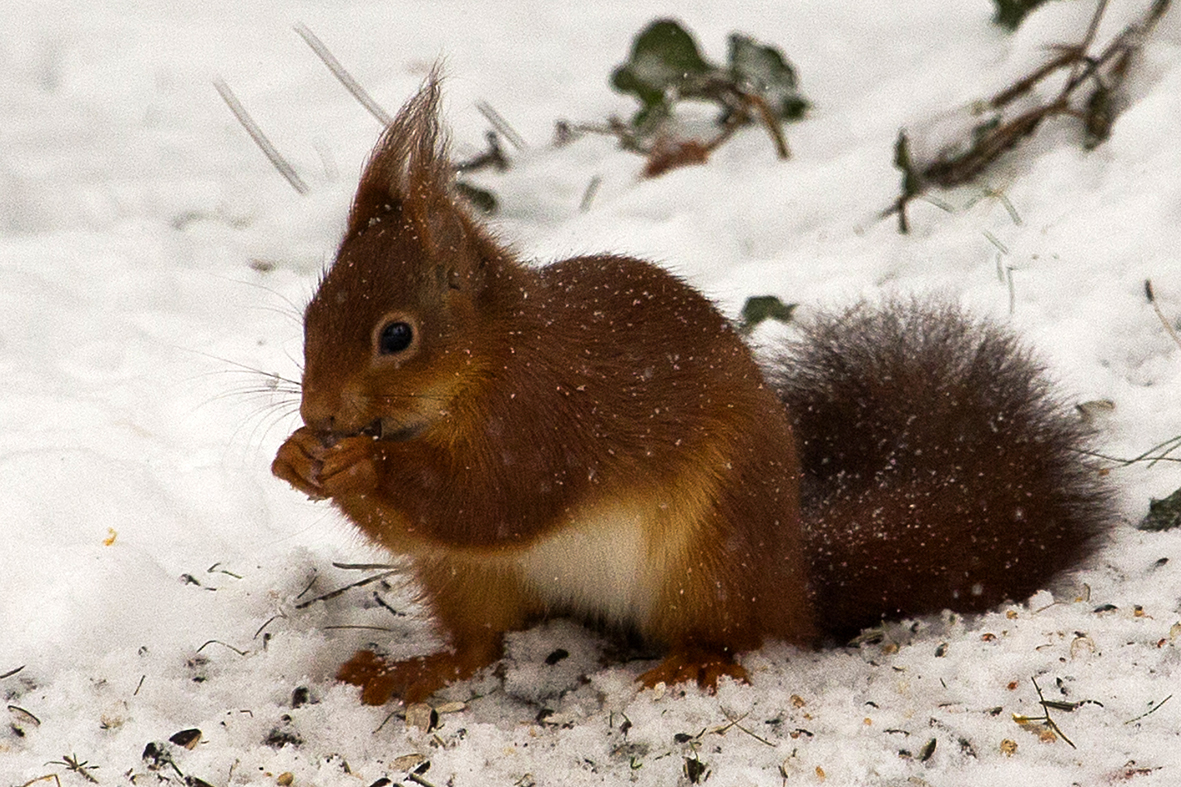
(152, 270)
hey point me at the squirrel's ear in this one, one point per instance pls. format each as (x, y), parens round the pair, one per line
(410, 179)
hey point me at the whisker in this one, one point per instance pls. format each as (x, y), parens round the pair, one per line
(296, 311)
(263, 419)
(402, 396)
(242, 367)
(296, 362)
(268, 393)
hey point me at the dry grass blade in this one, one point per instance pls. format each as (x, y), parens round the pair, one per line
(81, 767)
(1150, 711)
(501, 125)
(1045, 718)
(44, 778)
(1160, 315)
(341, 591)
(1158, 453)
(363, 566)
(260, 139)
(223, 644)
(342, 75)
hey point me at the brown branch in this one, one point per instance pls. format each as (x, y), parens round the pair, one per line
(1097, 110)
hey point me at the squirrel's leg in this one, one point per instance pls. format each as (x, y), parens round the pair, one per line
(473, 605)
(703, 628)
(711, 610)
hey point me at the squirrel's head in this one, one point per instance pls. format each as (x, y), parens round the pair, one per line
(399, 325)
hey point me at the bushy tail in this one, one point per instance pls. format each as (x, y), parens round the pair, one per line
(939, 469)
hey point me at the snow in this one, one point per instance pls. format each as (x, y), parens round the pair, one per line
(152, 271)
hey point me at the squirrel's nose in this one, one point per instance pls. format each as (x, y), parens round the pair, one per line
(321, 425)
(318, 410)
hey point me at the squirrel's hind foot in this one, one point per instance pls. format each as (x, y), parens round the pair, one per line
(412, 680)
(701, 666)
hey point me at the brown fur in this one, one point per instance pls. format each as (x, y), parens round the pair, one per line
(589, 393)
(591, 437)
(938, 469)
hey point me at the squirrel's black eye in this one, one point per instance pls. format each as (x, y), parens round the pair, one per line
(394, 338)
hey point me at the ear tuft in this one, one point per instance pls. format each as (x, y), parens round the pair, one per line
(409, 170)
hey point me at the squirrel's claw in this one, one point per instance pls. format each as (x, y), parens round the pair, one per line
(321, 471)
(348, 467)
(701, 666)
(298, 462)
(415, 679)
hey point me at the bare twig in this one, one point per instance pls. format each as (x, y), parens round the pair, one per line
(989, 146)
(995, 135)
(771, 123)
(1066, 56)
(628, 139)
(1089, 38)
(260, 139)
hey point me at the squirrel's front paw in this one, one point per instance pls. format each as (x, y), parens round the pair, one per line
(320, 470)
(299, 462)
(349, 467)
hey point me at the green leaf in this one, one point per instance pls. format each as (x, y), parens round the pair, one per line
(1163, 514)
(764, 70)
(759, 308)
(482, 199)
(1009, 13)
(663, 57)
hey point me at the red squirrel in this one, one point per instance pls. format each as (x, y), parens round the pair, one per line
(594, 438)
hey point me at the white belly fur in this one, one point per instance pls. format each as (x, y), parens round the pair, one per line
(601, 566)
